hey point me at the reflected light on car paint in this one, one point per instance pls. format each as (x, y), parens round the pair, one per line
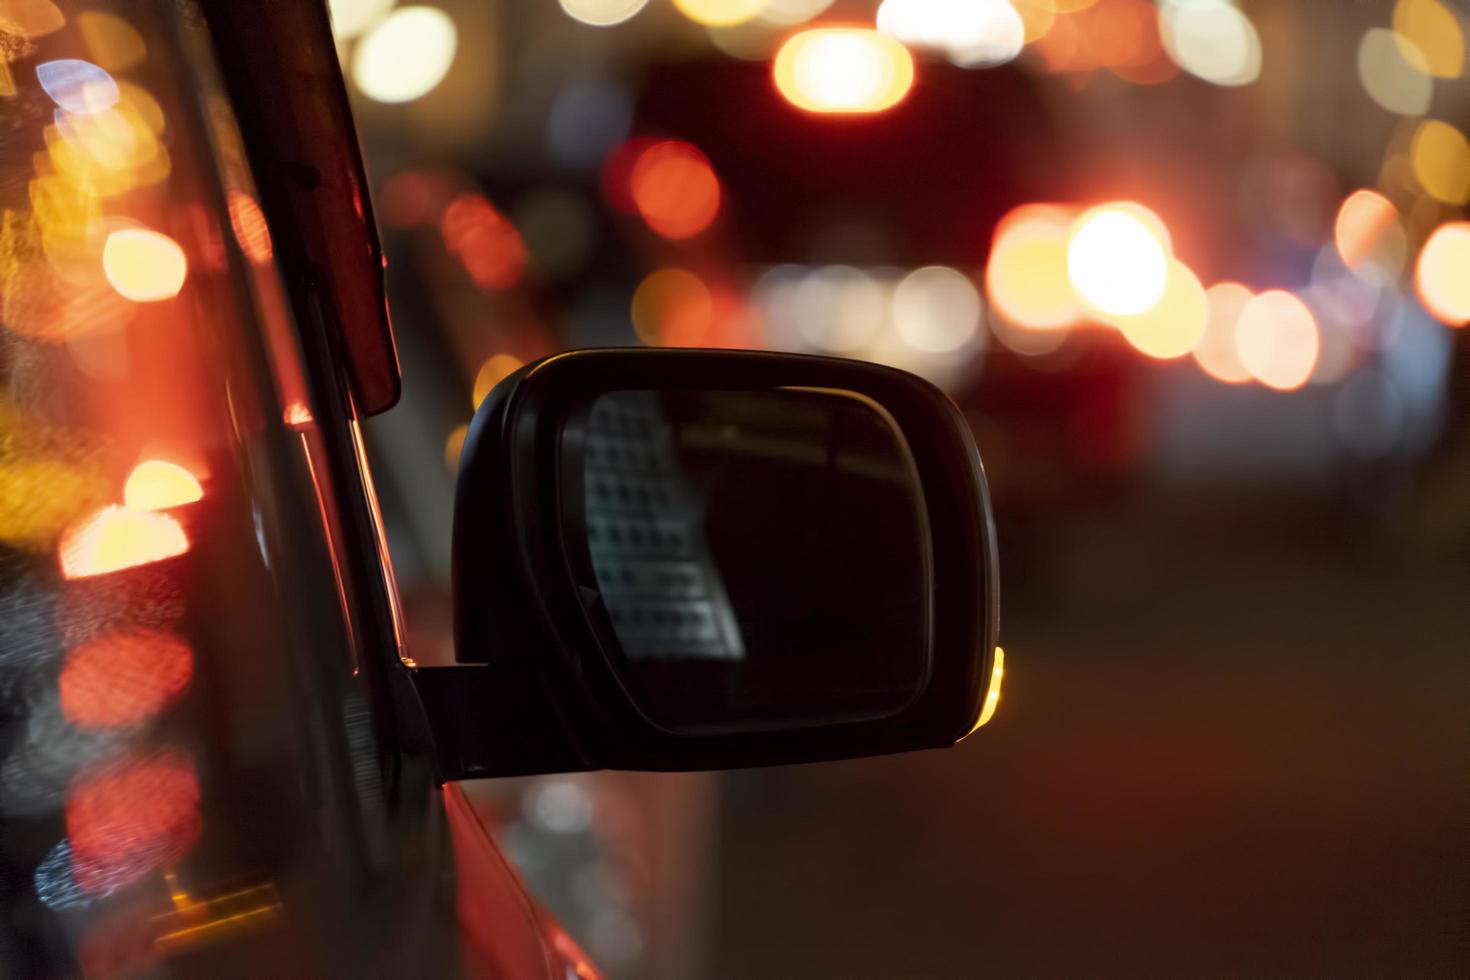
(671, 305)
(1212, 40)
(1277, 340)
(992, 693)
(1026, 275)
(495, 370)
(1442, 274)
(936, 309)
(351, 17)
(1394, 72)
(843, 70)
(115, 538)
(144, 266)
(720, 13)
(112, 42)
(248, 223)
(674, 189)
(406, 55)
(124, 678)
(132, 817)
(1369, 237)
(1118, 260)
(1429, 30)
(972, 33)
(1440, 157)
(1216, 352)
(484, 240)
(157, 484)
(1174, 325)
(602, 13)
(77, 86)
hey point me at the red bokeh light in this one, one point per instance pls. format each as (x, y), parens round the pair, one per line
(675, 189)
(124, 678)
(484, 240)
(131, 818)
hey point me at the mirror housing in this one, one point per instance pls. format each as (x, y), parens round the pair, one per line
(544, 682)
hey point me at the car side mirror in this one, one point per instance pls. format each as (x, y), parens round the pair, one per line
(677, 559)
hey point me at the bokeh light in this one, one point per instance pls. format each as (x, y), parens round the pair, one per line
(1173, 326)
(156, 484)
(1026, 275)
(973, 33)
(1217, 353)
(1277, 340)
(720, 13)
(496, 369)
(1369, 237)
(115, 538)
(77, 86)
(454, 447)
(124, 678)
(602, 13)
(1117, 261)
(1442, 274)
(131, 818)
(112, 42)
(248, 223)
(1429, 30)
(1211, 39)
(486, 243)
(1394, 72)
(1441, 160)
(351, 17)
(675, 189)
(843, 70)
(406, 55)
(839, 309)
(936, 309)
(673, 307)
(144, 266)
(787, 13)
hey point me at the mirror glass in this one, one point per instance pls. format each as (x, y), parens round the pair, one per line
(750, 557)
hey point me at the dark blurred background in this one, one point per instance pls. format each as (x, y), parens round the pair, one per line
(1234, 519)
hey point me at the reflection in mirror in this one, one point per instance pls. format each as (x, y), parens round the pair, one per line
(750, 556)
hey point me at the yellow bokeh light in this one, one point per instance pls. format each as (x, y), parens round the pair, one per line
(674, 308)
(406, 55)
(789, 12)
(1173, 326)
(1442, 274)
(495, 370)
(115, 538)
(144, 266)
(157, 484)
(1026, 275)
(843, 70)
(1441, 160)
(1037, 17)
(1277, 340)
(1429, 30)
(602, 13)
(1117, 261)
(39, 497)
(454, 446)
(1216, 353)
(112, 42)
(351, 17)
(720, 13)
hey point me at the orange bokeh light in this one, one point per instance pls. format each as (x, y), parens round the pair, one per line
(1362, 221)
(843, 70)
(675, 189)
(1026, 274)
(1173, 326)
(1277, 340)
(251, 231)
(1216, 352)
(674, 308)
(131, 818)
(124, 678)
(485, 241)
(1442, 274)
(156, 484)
(115, 538)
